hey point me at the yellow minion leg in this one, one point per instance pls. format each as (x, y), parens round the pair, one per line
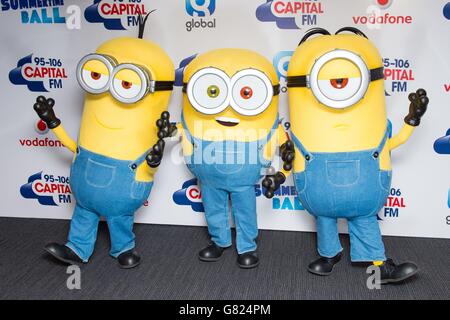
(65, 139)
(403, 136)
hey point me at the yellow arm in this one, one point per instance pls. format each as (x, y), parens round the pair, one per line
(185, 143)
(65, 139)
(400, 138)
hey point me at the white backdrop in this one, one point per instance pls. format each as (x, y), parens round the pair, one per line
(412, 36)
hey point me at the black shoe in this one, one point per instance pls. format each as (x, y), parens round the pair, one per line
(129, 259)
(390, 272)
(211, 253)
(324, 266)
(248, 260)
(63, 253)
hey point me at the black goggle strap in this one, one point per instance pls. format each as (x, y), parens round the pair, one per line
(164, 85)
(276, 89)
(301, 81)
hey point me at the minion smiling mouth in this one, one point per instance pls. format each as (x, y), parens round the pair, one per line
(227, 122)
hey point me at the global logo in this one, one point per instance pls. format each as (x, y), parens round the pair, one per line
(115, 15)
(189, 195)
(36, 12)
(200, 8)
(290, 14)
(281, 63)
(47, 189)
(446, 11)
(200, 11)
(39, 74)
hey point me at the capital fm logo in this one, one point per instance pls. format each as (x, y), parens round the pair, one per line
(290, 14)
(47, 189)
(201, 12)
(189, 195)
(446, 11)
(442, 145)
(36, 12)
(39, 74)
(377, 14)
(281, 63)
(395, 202)
(398, 74)
(115, 14)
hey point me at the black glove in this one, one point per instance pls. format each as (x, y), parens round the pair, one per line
(272, 183)
(44, 109)
(287, 152)
(417, 107)
(165, 129)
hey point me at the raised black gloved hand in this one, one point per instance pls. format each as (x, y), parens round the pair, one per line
(287, 152)
(417, 107)
(272, 182)
(165, 129)
(44, 109)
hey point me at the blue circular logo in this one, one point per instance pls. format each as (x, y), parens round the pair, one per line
(447, 11)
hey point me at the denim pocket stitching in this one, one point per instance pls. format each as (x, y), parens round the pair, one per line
(389, 173)
(89, 168)
(346, 184)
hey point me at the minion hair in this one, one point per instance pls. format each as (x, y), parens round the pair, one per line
(353, 30)
(142, 21)
(312, 32)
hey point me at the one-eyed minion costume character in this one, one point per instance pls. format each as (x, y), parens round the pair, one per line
(128, 83)
(230, 130)
(342, 138)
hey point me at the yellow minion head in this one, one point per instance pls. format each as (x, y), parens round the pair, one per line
(230, 94)
(128, 83)
(336, 90)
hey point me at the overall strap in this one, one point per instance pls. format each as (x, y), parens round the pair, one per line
(306, 154)
(186, 130)
(274, 128)
(387, 134)
(136, 163)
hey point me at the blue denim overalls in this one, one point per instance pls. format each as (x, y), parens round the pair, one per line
(107, 187)
(347, 185)
(235, 169)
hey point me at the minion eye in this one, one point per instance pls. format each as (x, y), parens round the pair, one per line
(252, 92)
(94, 72)
(207, 90)
(213, 91)
(129, 83)
(339, 89)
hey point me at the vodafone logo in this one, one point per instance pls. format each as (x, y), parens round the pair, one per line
(41, 127)
(383, 4)
(376, 16)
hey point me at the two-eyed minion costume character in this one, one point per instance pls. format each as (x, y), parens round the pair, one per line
(229, 131)
(342, 138)
(128, 83)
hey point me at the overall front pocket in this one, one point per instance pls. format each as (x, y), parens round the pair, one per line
(99, 175)
(343, 173)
